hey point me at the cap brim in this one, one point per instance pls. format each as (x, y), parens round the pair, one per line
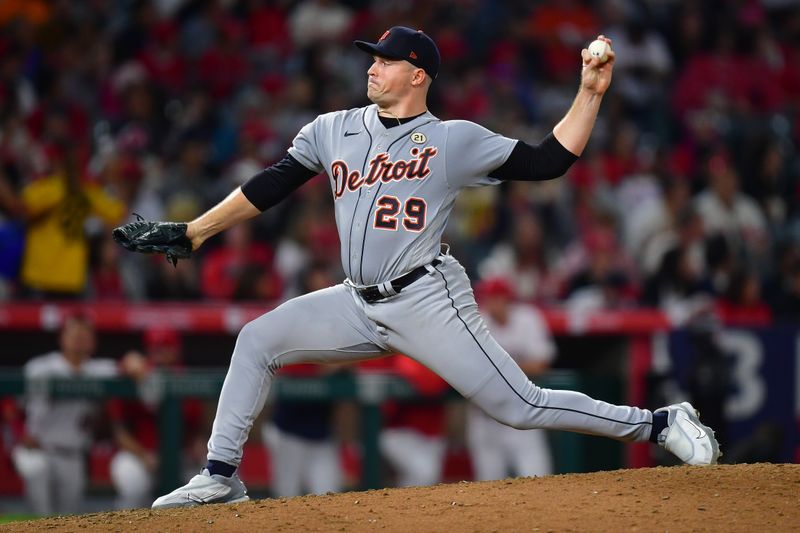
(374, 49)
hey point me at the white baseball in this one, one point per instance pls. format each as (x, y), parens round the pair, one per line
(599, 49)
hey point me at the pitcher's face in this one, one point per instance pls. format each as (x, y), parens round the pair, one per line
(389, 80)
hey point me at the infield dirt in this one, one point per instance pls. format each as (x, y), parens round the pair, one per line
(757, 497)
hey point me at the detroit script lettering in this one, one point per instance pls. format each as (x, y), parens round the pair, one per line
(383, 169)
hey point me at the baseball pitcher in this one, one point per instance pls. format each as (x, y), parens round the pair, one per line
(395, 171)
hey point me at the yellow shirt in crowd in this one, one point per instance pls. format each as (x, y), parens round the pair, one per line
(56, 255)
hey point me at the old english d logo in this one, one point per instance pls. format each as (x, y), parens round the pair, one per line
(418, 137)
(384, 36)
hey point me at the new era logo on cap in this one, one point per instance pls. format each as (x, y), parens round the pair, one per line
(410, 45)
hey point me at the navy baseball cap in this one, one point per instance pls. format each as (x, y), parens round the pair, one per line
(413, 46)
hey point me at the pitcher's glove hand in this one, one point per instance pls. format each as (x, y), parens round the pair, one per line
(151, 237)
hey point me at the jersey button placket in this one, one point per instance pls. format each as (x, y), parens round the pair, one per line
(370, 194)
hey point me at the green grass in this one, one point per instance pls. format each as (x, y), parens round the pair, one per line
(16, 517)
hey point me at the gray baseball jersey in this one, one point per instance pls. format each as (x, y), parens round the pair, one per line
(55, 473)
(61, 423)
(394, 188)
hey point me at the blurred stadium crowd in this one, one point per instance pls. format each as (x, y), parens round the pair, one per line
(687, 197)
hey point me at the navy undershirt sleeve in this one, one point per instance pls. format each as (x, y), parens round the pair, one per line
(545, 161)
(273, 184)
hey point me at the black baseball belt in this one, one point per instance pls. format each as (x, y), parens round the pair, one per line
(376, 293)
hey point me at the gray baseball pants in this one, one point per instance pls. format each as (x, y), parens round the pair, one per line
(435, 321)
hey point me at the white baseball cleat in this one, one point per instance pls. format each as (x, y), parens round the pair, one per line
(203, 489)
(686, 437)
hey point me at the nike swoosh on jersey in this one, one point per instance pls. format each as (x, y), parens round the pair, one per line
(349, 133)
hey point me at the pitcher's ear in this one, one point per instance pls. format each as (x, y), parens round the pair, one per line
(419, 77)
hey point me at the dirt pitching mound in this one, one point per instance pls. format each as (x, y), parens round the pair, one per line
(758, 497)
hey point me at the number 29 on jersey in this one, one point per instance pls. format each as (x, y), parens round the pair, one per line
(388, 213)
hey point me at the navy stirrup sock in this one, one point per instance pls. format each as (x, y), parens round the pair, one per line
(659, 423)
(220, 469)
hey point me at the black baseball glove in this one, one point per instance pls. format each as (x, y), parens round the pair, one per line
(151, 237)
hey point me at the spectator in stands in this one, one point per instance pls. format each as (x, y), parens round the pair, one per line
(301, 436)
(222, 68)
(240, 269)
(729, 212)
(51, 457)
(770, 182)
(644, 61)
(11, 236)
(137, 118)
(783, 288)
(134, 423)
(677, 288)
(268, 30)
(106, 277)
(522, 261)
(257, 144)
(721, 262)
(469, 100)
(602, 283)
(653, 227)
(742, 303)
(620, 160)
(498, 451)
(686, 32)
(57, 208)
(318, 22)
(726, 80)
(312, 240)
(188, 187)
(162, 60)
(558, 27)
(23, 156)
(165, 282)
